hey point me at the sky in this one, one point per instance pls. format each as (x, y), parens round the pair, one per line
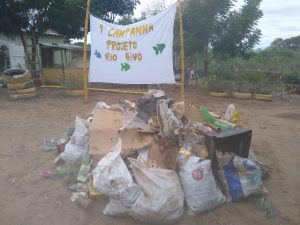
(281, 18)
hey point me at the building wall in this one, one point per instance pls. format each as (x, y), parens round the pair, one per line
(16, 50)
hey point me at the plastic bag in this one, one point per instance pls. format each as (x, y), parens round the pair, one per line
(199, 186)
(161, 199)
(112, 178)
(232, 114)
(76, 150)
(239, 176)
(229, 112)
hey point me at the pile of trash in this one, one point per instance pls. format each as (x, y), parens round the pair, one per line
(154, 156)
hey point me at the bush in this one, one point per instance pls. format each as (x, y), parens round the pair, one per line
(291, 78)
(215, 85)
(253, 82)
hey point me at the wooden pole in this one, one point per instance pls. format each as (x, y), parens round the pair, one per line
(63, 67)
(85, 75)
(181, 50)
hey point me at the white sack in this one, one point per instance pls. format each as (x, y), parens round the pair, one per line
(76, 149)
(112, 178)
(199, 186)
(161, 199)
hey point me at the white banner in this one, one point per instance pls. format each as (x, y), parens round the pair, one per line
(139, 53)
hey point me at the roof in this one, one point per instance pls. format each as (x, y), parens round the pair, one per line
(63, 46)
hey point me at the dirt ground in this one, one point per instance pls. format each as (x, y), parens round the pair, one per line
(26, 198)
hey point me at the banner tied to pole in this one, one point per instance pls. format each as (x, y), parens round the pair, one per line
(139, 53)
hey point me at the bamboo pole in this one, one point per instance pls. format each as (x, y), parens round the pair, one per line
(85, 75)
(100, 89)
(118, 91)
(181, 50)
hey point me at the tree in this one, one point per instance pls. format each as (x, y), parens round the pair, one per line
(292, 43)
(215, 28)
(65, 17)
(114, 8)
(277, 43)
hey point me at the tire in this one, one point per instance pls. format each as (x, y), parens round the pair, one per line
(21, 85)
(23, 91)
(16, 75)
(242, 95)
(219, 94)
(22, 96)
(262, 97)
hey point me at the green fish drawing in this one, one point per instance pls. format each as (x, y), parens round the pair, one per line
(125, 66)
(159, 48)
(97, 54)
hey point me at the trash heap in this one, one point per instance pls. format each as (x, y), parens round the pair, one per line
(152, 156)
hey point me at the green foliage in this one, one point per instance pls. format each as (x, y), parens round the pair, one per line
(253, 81)
(215, 28)
(111, 9)
(290, 43)
(221, 69)
(291, 78)
(213, 84)
(66, 17)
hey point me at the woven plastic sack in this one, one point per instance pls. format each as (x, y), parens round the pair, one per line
(199, 186)
(76, 149)
(240, 177)
(112, 178)
(161, 199)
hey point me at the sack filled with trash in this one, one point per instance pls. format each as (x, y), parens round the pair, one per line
(239, 177)
(161, 199)
(76, 150)
(199, 186)
(112, 178)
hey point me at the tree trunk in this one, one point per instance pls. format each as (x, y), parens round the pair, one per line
(24, 46)
(205, 61)
(34, 40)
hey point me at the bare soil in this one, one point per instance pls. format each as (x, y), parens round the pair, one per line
(26, 198)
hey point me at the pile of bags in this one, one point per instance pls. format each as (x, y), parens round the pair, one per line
(149, 158)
